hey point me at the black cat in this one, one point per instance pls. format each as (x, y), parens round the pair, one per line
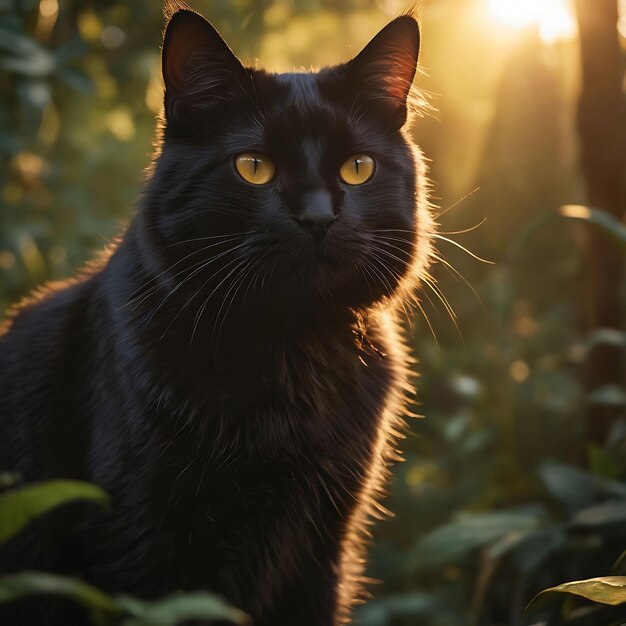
(231, 371)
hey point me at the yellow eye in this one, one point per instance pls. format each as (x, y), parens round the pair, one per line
(358, 169)
(255, 168)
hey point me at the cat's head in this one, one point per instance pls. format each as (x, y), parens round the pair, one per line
(287, 190)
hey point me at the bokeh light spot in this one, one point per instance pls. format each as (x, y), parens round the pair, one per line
(112, 37)
(48, 8)
(554, 19)
(7, 259)
(89, 26)
(120, 123)
(519, 371)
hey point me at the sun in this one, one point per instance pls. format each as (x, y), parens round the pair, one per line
(553, 18)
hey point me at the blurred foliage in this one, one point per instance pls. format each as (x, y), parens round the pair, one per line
(501, 494)
(121, 610)
(21, 505)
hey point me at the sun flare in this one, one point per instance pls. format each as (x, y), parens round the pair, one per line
(553, 18)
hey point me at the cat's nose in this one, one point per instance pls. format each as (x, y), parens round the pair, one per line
(317, 214)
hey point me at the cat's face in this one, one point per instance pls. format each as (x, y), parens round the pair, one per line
(294, 189)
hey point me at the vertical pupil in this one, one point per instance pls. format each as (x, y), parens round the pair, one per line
(356, 165)
(255, 164)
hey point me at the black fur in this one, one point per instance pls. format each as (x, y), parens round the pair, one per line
(234, 383)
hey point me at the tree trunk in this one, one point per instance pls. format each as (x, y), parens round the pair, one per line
(602, 128)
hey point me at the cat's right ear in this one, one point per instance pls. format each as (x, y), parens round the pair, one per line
(383, 71)
(199, 69)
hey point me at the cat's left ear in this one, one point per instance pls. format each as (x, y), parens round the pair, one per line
(384, 70)
(199, 69)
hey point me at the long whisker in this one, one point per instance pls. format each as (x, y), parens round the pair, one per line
(380, 274)
(458, 245)
(363, 269)
(452, 269)
(189, 277)
(393, 230)
(465, 197)
(386, 240)
(399, 278)
(256, 271)
(169, 269)
(466, 230)
(224, 236)
(423, 312)
(188, 302)
(206, 301)
(433, 287)
(197, 265)
(385, 243)
(234, 288)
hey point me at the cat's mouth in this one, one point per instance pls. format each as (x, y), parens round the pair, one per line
(322, 254)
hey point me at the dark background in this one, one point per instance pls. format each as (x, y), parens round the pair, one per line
(515, 480)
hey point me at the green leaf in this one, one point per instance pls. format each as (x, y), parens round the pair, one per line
(576, 488)
(601, 514)
(538, 546)
(606, 590)
(18, 44)
(570, 485)
(178, 607)
(20, 506)
(468, 532)
(168, 611)
(15, 586)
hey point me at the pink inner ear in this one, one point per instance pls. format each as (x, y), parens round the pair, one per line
(387, 64)
(396, 74)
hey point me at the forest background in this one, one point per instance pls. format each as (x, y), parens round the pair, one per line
(516, 479)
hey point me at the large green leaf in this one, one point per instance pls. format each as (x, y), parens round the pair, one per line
(537, 546)
(454, 541)
(20, 506)
(570, 485)
(606, 590)
(576, 488)
(124, 610)
(178, 607)
(15, 586)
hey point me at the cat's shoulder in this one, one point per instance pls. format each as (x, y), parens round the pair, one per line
(43, 327)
